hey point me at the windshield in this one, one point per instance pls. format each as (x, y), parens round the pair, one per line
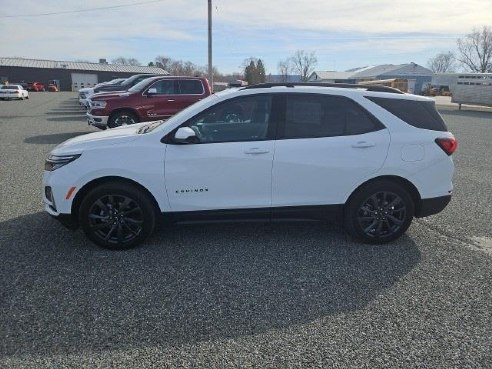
(139, 86)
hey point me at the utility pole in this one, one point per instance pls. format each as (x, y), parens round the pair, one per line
(210, 68)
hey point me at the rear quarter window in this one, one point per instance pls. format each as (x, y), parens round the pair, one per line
(419, 114)
(190, 87)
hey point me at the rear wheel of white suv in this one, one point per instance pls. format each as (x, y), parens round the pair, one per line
(379, 212)
(117, 216)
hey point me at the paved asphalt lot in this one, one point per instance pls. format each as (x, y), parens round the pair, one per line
(245, 296)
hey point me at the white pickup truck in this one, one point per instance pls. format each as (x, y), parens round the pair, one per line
(85, 93)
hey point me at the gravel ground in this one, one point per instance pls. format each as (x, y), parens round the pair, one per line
(240, 296)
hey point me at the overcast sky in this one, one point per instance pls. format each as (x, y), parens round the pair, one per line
(343, 34)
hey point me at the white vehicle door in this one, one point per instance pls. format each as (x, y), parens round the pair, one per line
(230, 165)
(326, 146)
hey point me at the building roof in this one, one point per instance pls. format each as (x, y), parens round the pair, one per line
(280, 78)
(411, 69)
(378, 71)
(98, 67)
(329, 75)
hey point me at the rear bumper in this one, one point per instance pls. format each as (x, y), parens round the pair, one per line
(432, 206)
(10, 96)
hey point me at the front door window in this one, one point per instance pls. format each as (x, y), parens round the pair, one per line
(236, 120)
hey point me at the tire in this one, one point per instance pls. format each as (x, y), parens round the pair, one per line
(379, 212)
(122, 118)
(117, 216)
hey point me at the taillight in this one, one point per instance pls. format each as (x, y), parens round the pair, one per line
(448, 145)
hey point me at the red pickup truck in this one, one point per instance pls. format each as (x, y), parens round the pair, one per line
(36, 86)
(153, 98)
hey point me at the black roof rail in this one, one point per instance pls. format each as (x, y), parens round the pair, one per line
(375, 87)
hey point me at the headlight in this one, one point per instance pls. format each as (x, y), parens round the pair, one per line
(98, 104)
(57, 161)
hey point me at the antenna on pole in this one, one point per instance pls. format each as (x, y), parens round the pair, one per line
(210, 68)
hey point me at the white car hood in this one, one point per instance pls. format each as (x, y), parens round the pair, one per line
(115, 136)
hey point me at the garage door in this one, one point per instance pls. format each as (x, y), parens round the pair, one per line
(83, 80)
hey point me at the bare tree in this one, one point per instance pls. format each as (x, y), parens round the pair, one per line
(475, 50)
(178, 67)
(133, 61)
(125, 61)
(284, 67)
(120, 60)
(442, 63)
(163, 62)
(304, 63)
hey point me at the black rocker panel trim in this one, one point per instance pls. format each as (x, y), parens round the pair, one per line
(318, 212)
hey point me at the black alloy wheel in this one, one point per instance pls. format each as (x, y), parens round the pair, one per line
(379, 212)
(382, 214)
(117, 216)
(123, 118)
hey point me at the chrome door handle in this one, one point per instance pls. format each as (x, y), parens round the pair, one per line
(171, 100)
(363, 145)
(256, 151)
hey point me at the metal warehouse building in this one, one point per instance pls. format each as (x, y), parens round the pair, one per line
(71, 75)
(418, 76)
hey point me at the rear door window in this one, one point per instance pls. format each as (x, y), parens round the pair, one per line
(420, 114)
(319, 115)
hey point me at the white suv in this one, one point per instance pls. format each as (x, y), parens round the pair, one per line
(368, 156)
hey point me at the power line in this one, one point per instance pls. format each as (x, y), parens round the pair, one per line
(81, 10)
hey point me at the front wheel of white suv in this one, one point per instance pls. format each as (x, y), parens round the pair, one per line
(117, 216)
(379, 212)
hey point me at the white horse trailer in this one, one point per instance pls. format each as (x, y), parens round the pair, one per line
(472, 89)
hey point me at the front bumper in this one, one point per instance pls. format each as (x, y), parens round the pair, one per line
(55, 204)
(99, 121)
(67, 220)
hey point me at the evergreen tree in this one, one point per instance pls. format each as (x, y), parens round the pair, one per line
(250, 73)
(260, 68)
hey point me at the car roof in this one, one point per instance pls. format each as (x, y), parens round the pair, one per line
(374, 87)
(174, 77)
(341, 89)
